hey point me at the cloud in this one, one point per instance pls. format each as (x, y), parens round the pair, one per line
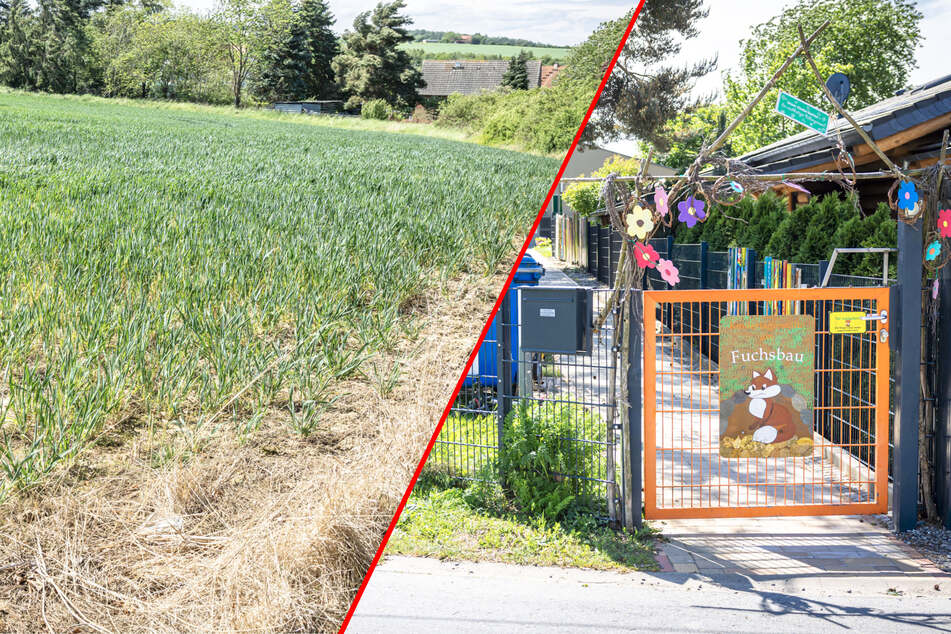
(566, 22)
(559, 22)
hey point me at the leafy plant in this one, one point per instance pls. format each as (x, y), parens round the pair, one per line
(807, 234)
(585, 198)
(376, 109)
(540, 452)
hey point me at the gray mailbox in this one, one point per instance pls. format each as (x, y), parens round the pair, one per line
(554, 319)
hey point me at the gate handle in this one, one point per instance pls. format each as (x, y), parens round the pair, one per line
(883, 317)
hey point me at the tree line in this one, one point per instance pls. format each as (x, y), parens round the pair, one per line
(477, 38)
(268, 50)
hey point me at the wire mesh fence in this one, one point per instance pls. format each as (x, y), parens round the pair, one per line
(569, 398)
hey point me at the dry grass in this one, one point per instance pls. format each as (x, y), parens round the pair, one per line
(271, 532)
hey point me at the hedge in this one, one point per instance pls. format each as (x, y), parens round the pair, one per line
(807, 234)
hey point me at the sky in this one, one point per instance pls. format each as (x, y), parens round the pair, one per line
(569, 22)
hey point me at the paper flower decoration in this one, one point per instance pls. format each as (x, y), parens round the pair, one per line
(691, 211)
(933, 251)
(645, 255)
(934, 290)
(907, 197)
(660, 199)
(736, 187)
(668, 271)
(944, 223)
(797, 187)
(640, 222)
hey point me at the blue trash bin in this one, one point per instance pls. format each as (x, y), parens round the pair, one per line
(484, 369)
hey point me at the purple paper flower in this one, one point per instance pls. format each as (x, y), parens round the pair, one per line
(691, 211)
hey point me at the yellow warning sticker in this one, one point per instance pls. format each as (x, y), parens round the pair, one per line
(846, 323)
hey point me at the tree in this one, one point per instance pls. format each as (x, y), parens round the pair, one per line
(371, 65)
(167, 55)
(245, 28)
(645, 92)
(17, 50)
(687, 132)
(282, 63)
(516, 75)
(320, 47)
(871, 41)
(63, 56)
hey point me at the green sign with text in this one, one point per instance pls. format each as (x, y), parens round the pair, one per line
(802, 112)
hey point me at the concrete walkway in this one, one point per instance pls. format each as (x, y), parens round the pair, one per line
(794, 551)
(427, 596)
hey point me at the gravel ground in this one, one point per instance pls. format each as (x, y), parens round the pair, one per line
(931, 540)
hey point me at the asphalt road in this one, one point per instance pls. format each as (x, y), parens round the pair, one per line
(418, 595)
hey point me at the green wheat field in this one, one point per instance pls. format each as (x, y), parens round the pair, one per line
(155, 261)
(440, 48)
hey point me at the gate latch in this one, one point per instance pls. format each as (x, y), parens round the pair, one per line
(882, 316)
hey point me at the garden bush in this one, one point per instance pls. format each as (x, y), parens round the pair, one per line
(376, 109)
(807, 234)
(538, 454)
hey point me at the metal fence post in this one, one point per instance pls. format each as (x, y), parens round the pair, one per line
(907, 378)
(942, 396)
(503, 336)
(631, 433)
(824, 355)
(704, 263)
(751, 278)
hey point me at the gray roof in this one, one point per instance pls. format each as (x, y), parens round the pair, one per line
(469, 77)
(906, 109)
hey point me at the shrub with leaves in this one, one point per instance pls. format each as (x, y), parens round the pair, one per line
(585, 198)
(808, 234)
(539, 454)
(376, 109)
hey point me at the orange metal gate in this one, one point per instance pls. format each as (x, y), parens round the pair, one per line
(684, 473)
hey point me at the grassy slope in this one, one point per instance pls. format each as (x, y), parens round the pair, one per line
(439, 48)
(155, 260)
(449, 523)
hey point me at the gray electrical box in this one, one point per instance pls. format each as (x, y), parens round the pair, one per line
(555, 319)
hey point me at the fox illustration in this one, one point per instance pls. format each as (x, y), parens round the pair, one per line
(773, 422)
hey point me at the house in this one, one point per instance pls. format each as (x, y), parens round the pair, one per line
(550, 73)
(907, 127)
(464, 39)
(470, 77)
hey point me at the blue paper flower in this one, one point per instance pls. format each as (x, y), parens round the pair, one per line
(933, 251)
(907, 196)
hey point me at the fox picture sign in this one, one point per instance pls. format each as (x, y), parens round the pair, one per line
(767, 369)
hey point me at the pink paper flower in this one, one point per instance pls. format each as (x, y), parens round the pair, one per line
(660, 199)
(934, 289)
(645, 255)
(944, 223)
(668, 271)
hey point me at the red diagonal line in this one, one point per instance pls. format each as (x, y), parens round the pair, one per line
(485, 329)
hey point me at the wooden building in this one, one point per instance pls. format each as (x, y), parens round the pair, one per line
(907, 127)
